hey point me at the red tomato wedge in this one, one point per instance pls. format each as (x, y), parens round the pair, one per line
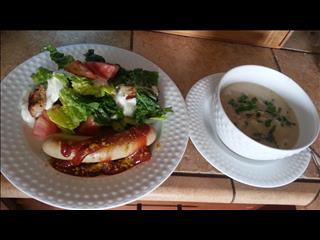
(44, 127)
(80, 69)
(89, 128)
(104, 71)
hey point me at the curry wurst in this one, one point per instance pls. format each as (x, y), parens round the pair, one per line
(111, 147)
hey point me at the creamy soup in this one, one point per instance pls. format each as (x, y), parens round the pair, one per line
(261, 114)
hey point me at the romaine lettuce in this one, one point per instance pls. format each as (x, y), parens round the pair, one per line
(73, 111)
(86, 86)
(58, 57)
(77, 108)
(107, 111)
(41, 75)
(148, 107)
(136, 77)
(67, 117)
(91, 57)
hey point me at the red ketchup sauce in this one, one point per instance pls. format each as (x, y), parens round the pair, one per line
(82, 148)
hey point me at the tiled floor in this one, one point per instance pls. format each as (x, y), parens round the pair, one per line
(187, 60)
(267, 196)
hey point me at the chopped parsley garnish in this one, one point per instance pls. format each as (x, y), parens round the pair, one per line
(258, 114)
(271, 108)
(269, 137)
(250, 108)
(267, 123)
(243, 103)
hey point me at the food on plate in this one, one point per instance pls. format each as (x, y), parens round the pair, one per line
(37, 100)
(261, 114)
(94, 117)
(107, 146)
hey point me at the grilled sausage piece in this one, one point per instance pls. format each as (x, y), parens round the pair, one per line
(113, 147)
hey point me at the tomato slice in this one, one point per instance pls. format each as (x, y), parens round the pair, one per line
(89, 127)
(80, 69)
(44, 127)
(104, 71)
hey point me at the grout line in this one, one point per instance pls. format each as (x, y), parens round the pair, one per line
(286, 38)
(188, 174)
(131, 40)
(314, 151)
(233, 191)
(276, 60)
(139, 206)
(305, 180)
(165, 205)
(213, 175)
(314, 199)
(299, 51)
(11, 204)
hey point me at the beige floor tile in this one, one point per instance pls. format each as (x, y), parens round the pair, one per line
(193, 162)
(296, 193)
(314, 205)
(312, 172)
(308, 41)
(9, 191)
(193, 189)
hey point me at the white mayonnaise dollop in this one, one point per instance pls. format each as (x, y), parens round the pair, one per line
(24, 103)
(53, 91)
(128, 105)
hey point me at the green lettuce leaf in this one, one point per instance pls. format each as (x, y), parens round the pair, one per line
(144, 78)
(136, 77)
(86, 86)
(67, 117)
(148, 107)
(77, 108)
(58, 57)
(162, 114)
(62, 77)
(107, 111)
(91, 57)
(41, 75)
(74, 110)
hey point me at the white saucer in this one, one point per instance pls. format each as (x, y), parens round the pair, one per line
(265, 174)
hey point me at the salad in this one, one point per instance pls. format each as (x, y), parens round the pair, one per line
(95, 117)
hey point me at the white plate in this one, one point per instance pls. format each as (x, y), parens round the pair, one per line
(266, 174)
(25, 165)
